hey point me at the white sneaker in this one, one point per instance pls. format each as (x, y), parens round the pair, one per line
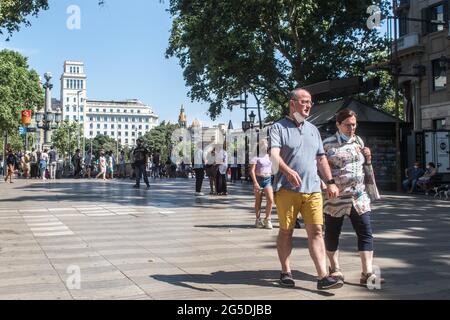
(267, 224)
(199, 194)
(259, 224)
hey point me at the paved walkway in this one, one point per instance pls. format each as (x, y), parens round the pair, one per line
(164, 243)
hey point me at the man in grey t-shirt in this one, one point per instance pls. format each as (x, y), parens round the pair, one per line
(297, 153)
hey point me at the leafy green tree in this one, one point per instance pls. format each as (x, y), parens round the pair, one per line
(269, 47)
(19, 89)
(64, 138)
(14, 13)
(101, 143)
(159, 139)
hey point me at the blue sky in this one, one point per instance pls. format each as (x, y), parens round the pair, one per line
(122, 45)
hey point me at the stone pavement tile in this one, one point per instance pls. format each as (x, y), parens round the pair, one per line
(22, 288)
(28, 280)
(63, 266)
(17, 266)
(102, 293)
(43, 295)
(134, 270)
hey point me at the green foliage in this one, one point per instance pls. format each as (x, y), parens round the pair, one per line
(19, 89)
(158, 139)
(13, 13)
(101, 143)
(65, 138)
(269, 47)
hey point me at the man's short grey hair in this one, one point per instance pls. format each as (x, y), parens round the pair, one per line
(294, 93)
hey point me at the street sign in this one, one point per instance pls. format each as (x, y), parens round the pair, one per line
(22, 130)
(31, 129)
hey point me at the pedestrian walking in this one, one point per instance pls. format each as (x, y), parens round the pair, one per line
(77, 161)
(221, 170)
(11, 164)
(140, 156)
(297, 152)
(261, 175)
(43, 163)
(346, 155)
(53, 158)
(101, 166)
(199, 169)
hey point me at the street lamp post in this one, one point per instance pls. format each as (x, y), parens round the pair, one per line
(47, 117)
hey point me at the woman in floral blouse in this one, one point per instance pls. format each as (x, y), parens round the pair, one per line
(347, 155)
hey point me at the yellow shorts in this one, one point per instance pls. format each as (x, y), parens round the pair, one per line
(290, 204)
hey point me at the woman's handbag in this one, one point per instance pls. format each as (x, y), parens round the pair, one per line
(369, 177)
(369, 181)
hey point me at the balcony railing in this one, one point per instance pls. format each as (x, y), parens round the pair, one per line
(407, 41)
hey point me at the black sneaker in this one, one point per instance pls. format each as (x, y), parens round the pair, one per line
(136, 186)
(329, 283)
(286, 280)
(148, 186)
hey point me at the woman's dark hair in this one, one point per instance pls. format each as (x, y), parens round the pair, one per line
(431, 164)
(344, 114)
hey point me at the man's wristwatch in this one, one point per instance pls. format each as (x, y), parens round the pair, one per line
(331, 181)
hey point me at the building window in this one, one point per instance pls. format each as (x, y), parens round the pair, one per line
(124, 110)
(111, 110)
(74, 108)
(91, 133)
(67, 83)
(82, 118)
(98, 125)
(437, 14)
(133, 127)
(98, 132)
(91, 118)
(105, 126)
(91, 126)
(126, 141)
(119, 133)
(147, 120)
(126, 126)
(104, 110)
(140, 119)
(134, 141)
(402, 24)
(439, 124)
(98, 118)
(139, 111)
(74, 118)
(67, 108)
(81, 108)
(126, 133)
(119, 126)
(90, 109)
(126, 119)
(112, 133)
(97, 110)
(133, 134)
(105, 133)
(67, 118)
(67, 99)
(140, 127)
(70, 69)
(132, 110)
(146, 127)
(81, 84)
(112, 126)
(74, 99)
(439, 76)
